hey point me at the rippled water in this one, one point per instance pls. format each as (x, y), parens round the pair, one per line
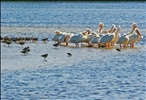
(102, 74)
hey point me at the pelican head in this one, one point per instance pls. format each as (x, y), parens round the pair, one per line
(113, 25)
(58, 32)
(89, 31)
(134, 25)
(119, 27)
(101, 24)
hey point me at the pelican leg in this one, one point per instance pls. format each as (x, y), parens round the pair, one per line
(98, 45)
(120, 46)
(124, 45)
(66, 43)
(107, 45)
(77, 45)
(112, 44)
(132, 45)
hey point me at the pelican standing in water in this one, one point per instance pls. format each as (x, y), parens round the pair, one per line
(65, 38)
(57, 36)
(75, 39)
(107, 39)
(123, 39)
(117, 35)
(133, 38)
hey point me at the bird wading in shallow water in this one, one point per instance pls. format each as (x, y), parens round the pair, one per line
(56, 45)
(24, 52)
(26, 48)
(69, 54)
(44, 56)
(118, 49)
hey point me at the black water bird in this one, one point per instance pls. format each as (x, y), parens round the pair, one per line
(69, 54)
(45, 40)
(118, 49)
(44, 56)
(21, 43)
(26, 48)
(56, 45)
(24, 52)
(8, 42)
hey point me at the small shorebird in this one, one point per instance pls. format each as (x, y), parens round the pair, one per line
(56, 45)
(8, 43)
(45, 40)
(26, 48)
(69, 54)
(34, 39)
(21, 43)
(24, 52)
(118, 49)
(44, 56)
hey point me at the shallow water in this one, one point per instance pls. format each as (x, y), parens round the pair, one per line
(90, 74)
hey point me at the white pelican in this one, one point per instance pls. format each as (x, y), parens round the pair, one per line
(57, 36)
(65, 37)
(123, 40)
(100, 26)
(134, 25)
(106, 39)
(87, 32)
(133, 38)
(117, 35)
(74, 39)
(109, 31)
(96, 39)
(91, 36)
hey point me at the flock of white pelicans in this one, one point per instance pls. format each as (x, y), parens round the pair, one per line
(101, 37)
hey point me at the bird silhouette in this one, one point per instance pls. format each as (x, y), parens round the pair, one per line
(21, 43)
(8, 43)
(69, 54)
(44, 56)
(56, 45)
(45, 40)
(24, 52)
(26, 48)
(118, 49)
